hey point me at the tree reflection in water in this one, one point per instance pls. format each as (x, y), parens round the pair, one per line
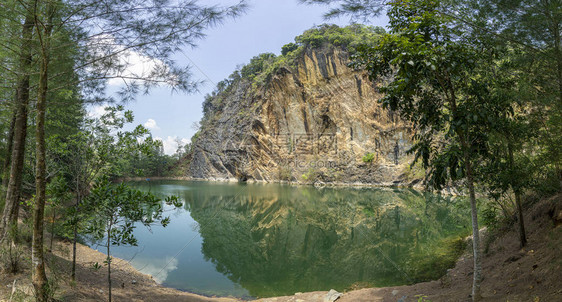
(278, 240)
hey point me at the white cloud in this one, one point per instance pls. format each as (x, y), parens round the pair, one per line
(157, 268)
(151, 124)
(170, 144)
(96, 111)
(126, 65)
(137, 66)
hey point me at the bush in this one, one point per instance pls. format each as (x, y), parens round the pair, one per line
(287, 48)
(415, 171)
(347, 37)
(369, 158)
(489, 217)
(11, 258)
(284, 173)
(310, 176)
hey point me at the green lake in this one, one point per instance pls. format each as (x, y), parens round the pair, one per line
(258, 240)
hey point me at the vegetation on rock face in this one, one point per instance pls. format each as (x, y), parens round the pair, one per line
(369, 158)
(261, 68)
(308, 89)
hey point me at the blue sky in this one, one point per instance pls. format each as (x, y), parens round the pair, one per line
(266, 27)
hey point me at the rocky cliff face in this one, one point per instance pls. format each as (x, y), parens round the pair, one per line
(317, 121)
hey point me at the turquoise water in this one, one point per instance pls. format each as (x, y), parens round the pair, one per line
(255, 240)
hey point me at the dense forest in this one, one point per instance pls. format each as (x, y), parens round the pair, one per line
(480, 83)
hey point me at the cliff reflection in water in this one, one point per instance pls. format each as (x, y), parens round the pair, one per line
(278, 240)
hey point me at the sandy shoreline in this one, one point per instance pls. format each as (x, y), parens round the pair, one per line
(450, 191)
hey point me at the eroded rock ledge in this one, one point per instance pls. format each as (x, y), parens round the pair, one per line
(313, 121)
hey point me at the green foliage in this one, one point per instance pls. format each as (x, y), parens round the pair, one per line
(430, 63)
(257, 65)
(12, 258)
(102, 147)
(422, 298)
(347, 37)
(356, 9)
(263, 67)
(310, 176)
(96, 266)
(369, 157)
(287, 48)
(414, 171)
(489, 217)
(117, 209)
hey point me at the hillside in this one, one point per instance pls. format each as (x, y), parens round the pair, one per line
(304, 116)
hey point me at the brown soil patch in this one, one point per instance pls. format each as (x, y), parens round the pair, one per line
(530, 274)
(91, 285)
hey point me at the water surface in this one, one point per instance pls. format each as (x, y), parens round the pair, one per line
(256, 240)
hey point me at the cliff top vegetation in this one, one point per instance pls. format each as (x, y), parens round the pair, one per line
(259, 71)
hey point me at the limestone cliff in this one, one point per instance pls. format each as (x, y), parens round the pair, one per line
(313, 120)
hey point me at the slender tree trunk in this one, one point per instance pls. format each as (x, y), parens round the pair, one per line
(109, 263)
(75, 225)
(53, 229)
(73, 270)
(522, 234)
(39, 278)
(477, 276)
(8, 160)
(558, 50)
(464, 141)
(11, 208)
(37, 257)
(516, 190)
(558, 55)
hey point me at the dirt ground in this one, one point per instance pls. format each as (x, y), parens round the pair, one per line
(510, 274)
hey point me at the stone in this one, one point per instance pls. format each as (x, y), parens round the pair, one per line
(134, 282)
(395, 292)
(311, 123)
(332, 296)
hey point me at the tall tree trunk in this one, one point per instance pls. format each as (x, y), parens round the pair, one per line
(109, 262)
(75, 220)
(464, 141)
(39, 278)
(517, 192)
(558, 57)
(477, 276)
(8, 159)
(53, 229)
(11, 208)
(73, 269)
(522, 235)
